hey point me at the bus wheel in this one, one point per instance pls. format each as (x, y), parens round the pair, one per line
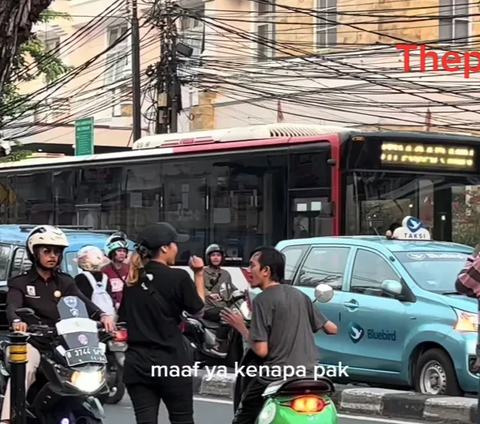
(435, 374)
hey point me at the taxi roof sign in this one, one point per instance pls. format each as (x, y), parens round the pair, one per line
(411, 229)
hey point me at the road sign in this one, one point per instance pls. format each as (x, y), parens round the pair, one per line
(84, 136)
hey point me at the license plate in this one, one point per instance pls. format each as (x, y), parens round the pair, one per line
(117, 346)
(83, 355)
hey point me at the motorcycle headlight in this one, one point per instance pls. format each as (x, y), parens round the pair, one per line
(87, 382)
(268, 414)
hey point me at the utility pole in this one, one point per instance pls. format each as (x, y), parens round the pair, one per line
(137, 105)
(168, 85)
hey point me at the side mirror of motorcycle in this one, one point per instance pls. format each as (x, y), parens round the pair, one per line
(323, 293)
(27, 315)
(238, 295)
(224, 292)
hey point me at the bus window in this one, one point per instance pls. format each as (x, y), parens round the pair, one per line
(247, 203)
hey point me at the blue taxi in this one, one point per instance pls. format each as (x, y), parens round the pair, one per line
(400, 320)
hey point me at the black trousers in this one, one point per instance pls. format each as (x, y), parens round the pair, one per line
(177, 394)
(251, 403)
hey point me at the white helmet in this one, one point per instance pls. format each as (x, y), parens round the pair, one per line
(45, 235)
(90, 258)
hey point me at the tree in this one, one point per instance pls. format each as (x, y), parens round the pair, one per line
(17, 18)
(466, 217)
(45, 65)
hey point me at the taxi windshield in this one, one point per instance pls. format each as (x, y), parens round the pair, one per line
(434, 271)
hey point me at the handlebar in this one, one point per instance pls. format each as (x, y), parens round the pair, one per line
(40, 329)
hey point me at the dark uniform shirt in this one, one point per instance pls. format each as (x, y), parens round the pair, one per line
(213, 279)
(154, 336)
(30, 290)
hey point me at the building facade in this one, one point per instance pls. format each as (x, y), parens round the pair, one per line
(337, 62)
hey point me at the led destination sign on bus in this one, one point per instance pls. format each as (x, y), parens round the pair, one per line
(452, 157)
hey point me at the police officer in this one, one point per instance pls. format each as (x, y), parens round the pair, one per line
(213, 277)
(40, 289)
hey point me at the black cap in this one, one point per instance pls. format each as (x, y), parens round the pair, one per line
(160, 234)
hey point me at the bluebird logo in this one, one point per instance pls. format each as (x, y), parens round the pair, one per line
(356, 332)
(414, 224)
(416, 256)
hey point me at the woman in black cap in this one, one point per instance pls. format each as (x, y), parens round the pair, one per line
(153, 300)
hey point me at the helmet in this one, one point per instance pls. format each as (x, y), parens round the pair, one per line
(90, 258)
(213, 248)
(45, 235)
(116, 241)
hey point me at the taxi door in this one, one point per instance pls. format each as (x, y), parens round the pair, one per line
(325, 264)
(373, 322)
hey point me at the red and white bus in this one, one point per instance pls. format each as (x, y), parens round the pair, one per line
(257, 185)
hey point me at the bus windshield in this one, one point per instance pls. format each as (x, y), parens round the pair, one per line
(434, 271)
(448, 205)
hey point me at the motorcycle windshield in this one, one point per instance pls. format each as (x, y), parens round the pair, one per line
(79, 332)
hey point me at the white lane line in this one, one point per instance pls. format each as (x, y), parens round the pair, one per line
(351, 417)
(212, 400)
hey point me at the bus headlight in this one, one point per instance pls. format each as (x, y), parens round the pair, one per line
(87, 382)
(466, 321)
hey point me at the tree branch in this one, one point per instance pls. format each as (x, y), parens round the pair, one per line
(17, 18)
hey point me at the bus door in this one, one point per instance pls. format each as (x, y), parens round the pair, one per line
(309, 192)
(310, 214)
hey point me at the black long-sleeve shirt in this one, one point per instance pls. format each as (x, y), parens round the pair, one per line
(30, 290)
(154, 336)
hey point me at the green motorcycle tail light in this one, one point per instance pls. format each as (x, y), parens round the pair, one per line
(308, 404)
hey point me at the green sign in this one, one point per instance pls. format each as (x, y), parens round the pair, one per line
(84, 136)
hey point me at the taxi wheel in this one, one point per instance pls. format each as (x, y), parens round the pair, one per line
(435, 374)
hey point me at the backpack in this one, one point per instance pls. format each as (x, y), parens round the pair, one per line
(100, 296)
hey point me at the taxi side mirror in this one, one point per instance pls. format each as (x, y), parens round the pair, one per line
(392, 287)
(323, 293)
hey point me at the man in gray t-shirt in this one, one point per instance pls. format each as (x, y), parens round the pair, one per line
(282, 329)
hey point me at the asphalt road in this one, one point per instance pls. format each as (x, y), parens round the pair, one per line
(217, 411)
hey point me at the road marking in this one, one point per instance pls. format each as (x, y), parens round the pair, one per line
(213, 400)
(351, 417)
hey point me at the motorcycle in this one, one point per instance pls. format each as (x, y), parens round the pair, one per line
(71, 374)
(293, 400)
(201, 332)
(116, 348)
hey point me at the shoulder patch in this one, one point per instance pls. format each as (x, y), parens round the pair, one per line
(18, 280)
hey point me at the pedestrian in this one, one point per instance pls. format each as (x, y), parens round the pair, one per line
(92, 282)
(116, 249)
(468, 283)
(154, 298)
(281, 331)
